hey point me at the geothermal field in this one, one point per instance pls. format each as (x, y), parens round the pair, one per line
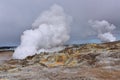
(75, 62)
(45, 53)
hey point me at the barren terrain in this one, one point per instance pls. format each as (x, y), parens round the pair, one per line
(75, 62)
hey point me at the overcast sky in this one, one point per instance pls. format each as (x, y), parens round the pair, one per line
(18, 15)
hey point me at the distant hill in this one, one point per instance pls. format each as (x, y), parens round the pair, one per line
(7, 48)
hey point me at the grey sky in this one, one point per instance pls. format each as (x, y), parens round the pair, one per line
(18, 15)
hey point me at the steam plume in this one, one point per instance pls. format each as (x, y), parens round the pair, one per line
(50, 30)
(104, 30)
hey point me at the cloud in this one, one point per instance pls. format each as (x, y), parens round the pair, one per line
(50, 30)
(104, 30)
(17, 16)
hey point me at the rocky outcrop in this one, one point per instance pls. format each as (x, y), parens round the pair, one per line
(76, 62)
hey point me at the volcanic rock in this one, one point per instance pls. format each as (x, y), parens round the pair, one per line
(76, 62)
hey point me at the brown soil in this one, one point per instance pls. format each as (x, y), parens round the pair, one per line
(5, 55)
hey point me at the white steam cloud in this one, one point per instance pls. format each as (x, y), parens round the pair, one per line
(50, 30)
(104, 30)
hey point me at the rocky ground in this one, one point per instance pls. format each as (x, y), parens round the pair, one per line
(75, 62)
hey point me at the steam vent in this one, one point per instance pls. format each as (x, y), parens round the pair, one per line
(75, 62)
